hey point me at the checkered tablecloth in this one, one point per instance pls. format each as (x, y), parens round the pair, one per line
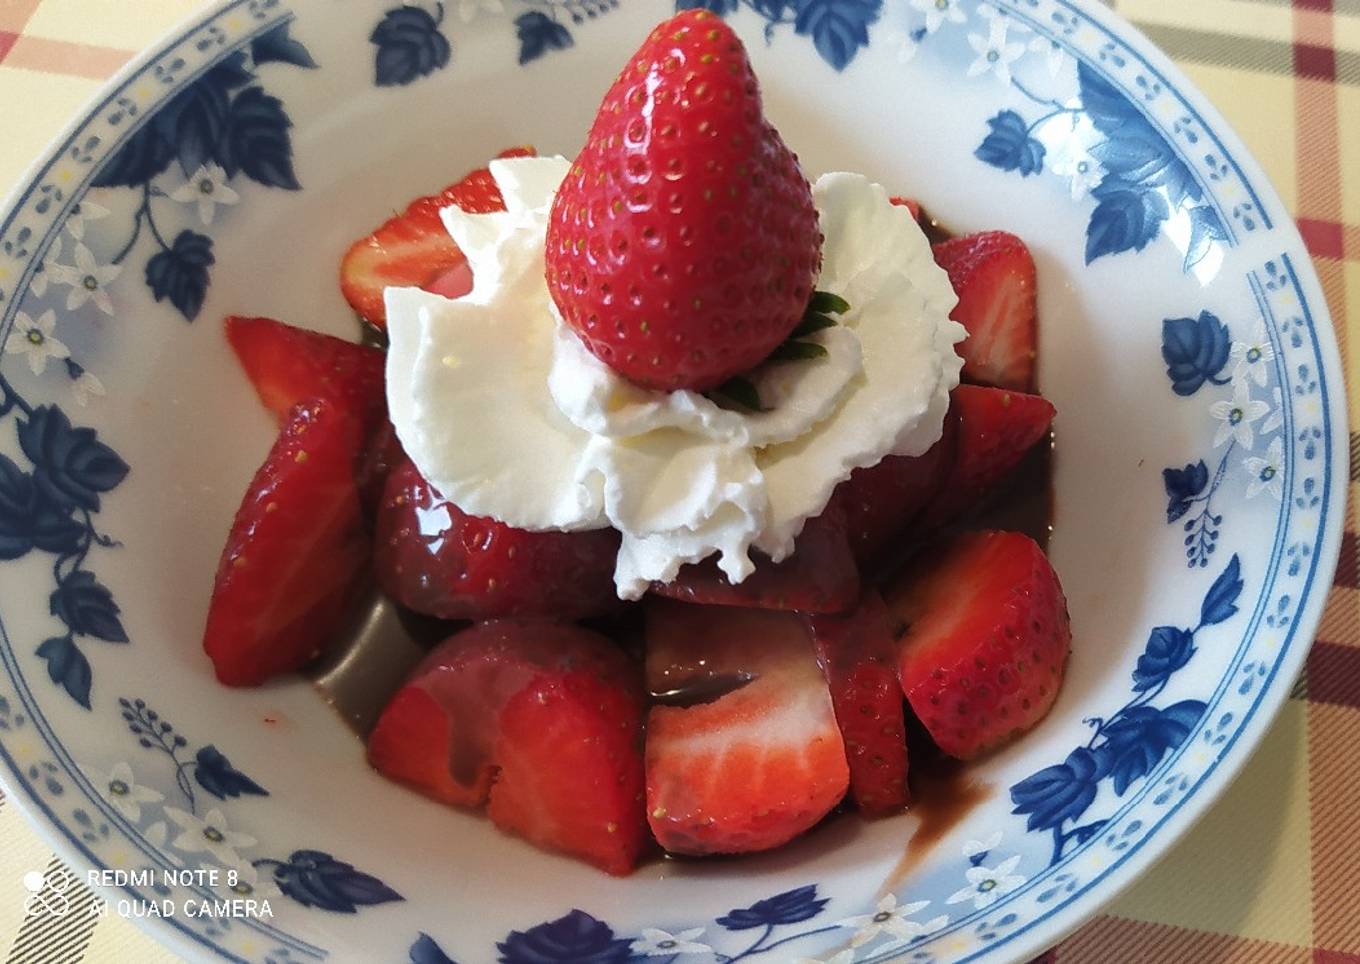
(1272, 873)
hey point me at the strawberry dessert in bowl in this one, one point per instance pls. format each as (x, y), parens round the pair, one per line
(686, 462)
(672, 559)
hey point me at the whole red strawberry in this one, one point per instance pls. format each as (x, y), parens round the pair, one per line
(683, 244)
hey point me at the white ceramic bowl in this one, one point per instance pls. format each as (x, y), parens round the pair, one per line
(1185, 342)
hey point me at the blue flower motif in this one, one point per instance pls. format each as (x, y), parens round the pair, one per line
(575, 938)
(28, 520)
(1061, 792)
(1009, 146)
(1139, 737)
(1195, 351)
(1168, 649)
(1182, 486)
(410, 45)
(721, 7)
(71, 467)
(258, 144)
(215, 774)
(790, 907)
(316, 879)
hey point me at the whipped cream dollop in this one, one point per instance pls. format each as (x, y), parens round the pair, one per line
(508, 415)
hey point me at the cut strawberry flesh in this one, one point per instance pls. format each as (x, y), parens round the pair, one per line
(994, 276)
(290, 365)
(986, 640)
(570, 769)
(857, 653)
(413, 249)
(744, 755)
(296, 555)
(478, 717)
(995, 428)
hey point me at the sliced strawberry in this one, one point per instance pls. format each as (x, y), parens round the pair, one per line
(412, 248)
(743, 753)
(434, 558)
(910, 204)
(820, 576)
(571, 777)
(297, 553)
(289, 365)
(858, 654)
(986, 642)
(478, 716)
(993, 275)
(995, 429)
(878, 503)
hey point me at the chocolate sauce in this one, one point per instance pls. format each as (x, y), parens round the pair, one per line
(698, 690)
(943, 793)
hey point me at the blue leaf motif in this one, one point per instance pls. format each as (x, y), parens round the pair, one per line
(575, 938)
(68, 667)
(181, 273)
(1195, 351)
(143, 156)
(71, 467)
(1220, 602)
(1062, 792)
(410, 46)
(1140, 736)
(316, 879)
(1009, 146)
(538, 33)
(259, 144)
(195, 122)
(1168, 650)
(87, 608)
(790, 907)
(276, 46)
(1182, 487)
(721, 7)
(215, 774)
(1125, 219)
(838, 27)
(425, 950)
(1205, 229)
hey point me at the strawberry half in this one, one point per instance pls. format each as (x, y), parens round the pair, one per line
(413, 249)
(858, 654)
(987, 639)
(434, 558)
(995, 428)
(297, 553)
(571, 777)
(541, 719)
(289, 365)
(683, 244)
(743, 754)
(819, 577)
(993, 275)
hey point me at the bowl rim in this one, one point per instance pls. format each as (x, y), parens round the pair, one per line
(1080, 907)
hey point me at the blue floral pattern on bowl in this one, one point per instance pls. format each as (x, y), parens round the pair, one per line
(186, 140)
